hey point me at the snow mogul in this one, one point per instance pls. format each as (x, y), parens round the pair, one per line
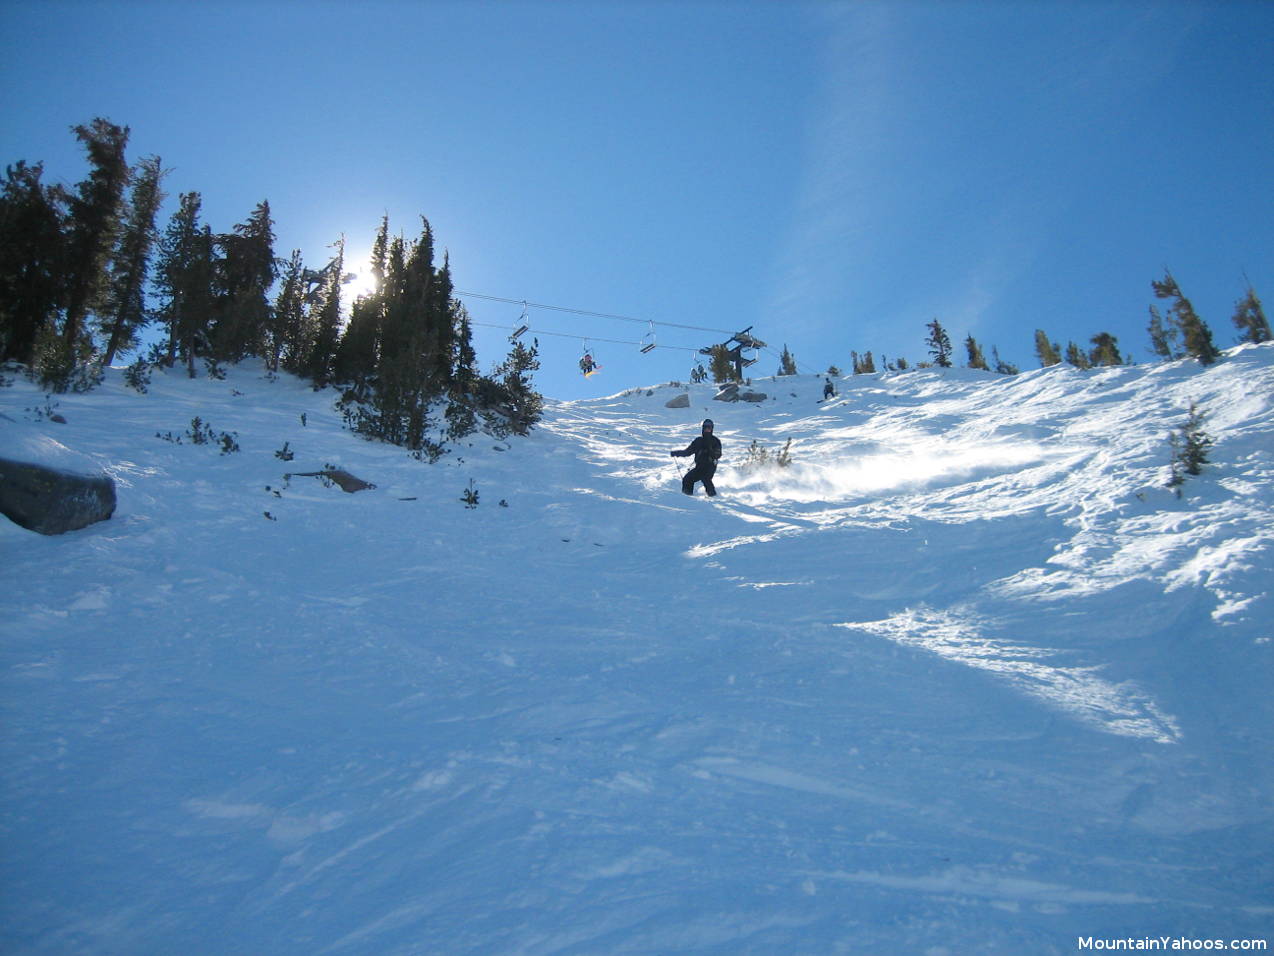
(706, 450)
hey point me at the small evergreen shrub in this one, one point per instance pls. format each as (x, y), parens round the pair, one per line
(1189, 449)
(470, 496)
(201, 433)
(137, 375)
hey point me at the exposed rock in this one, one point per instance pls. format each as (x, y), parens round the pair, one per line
(752, 396)
(338, 476)
(681, 401)
(52, 500)
(729, 392)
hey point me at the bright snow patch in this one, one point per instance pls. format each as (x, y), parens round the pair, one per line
(964, 678)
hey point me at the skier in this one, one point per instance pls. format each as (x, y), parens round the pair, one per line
(829, 389)
(706, 450)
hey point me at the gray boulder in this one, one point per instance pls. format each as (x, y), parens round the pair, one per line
(681, 401)
(730, 392)
(52, 500)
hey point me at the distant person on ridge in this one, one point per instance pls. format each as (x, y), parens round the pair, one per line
(706, 450)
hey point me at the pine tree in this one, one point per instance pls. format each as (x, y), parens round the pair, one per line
(356, 356)
(94, 211)
(460, 412)
(465, 364)
(1164, 339)
(125, 312)
(327, 319)
(1048, 352)
(409, 348)
(523, 404)
(939, 345)
(1105, 350)
(787, 364)
(288, 342)
(247, 271)
(442, 322)
(184, 276)
(1076, 357)
(721, 367)
(32, 253)
(976, 358)
(1249, 318)
(380, 255)
(1001, 366)
(397, 409)
(1194, 331)
(1189, 449)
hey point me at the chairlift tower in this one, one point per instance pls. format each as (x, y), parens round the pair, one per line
(734, 347)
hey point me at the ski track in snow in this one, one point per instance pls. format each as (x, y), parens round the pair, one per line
(963, 678)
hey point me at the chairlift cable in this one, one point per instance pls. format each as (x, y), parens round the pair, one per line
(801, 366)
(600, 315)
(577, 336)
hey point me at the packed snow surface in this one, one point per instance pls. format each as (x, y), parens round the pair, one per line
(964, 677)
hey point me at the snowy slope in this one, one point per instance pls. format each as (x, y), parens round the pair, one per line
(964, 678)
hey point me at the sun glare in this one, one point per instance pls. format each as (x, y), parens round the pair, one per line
(360, 281)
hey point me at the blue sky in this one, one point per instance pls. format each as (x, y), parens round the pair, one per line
(835, 175)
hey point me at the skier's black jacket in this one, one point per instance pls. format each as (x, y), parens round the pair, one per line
(706, 450)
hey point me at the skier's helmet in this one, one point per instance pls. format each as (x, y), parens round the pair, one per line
(707, 424)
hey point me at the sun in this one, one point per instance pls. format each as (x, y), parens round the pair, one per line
(359, 279)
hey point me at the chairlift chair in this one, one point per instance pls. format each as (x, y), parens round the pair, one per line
(524, 324)
(648, 340)
(587, 364)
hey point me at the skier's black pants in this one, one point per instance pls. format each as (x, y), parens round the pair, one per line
(699, 473)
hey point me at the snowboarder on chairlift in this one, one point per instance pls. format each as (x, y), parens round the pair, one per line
(707, 451)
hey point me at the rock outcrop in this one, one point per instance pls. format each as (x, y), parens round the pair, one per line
(52, 500)
(730, 392)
